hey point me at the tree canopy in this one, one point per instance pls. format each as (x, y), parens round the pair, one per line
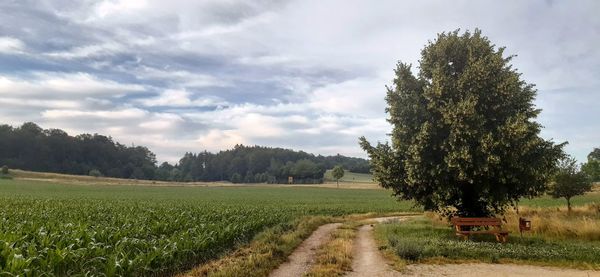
(30, 147)
(464, 140)
(337, 173)
(592, 166)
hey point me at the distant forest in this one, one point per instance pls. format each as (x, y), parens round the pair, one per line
(30, 147)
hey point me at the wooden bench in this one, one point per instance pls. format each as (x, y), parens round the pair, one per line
(484, 224)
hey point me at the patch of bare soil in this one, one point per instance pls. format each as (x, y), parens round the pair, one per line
(476, 269)
(303, 257)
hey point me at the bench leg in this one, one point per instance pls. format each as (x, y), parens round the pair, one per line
(501, 238)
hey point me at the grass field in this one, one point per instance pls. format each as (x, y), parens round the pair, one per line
(420, 240)
(61, 229)
(350, 177)
(558, 237)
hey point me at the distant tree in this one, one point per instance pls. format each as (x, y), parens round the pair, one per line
(249, 178)
(5, 169)
(464, 140)
(592, 166)
(569, 181)
(236, 178)
(95, 173)
(175, 175)
(137, 174)
(305, 168)
(337, 173)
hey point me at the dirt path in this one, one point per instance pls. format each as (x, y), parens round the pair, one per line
(303, 257)
(493, 270)
(368, 261)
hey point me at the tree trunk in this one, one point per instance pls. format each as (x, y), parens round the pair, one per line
(337, 181)
(569, 205)
(471, 206)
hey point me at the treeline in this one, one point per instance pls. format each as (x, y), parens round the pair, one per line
(30, 147)
(256, 164)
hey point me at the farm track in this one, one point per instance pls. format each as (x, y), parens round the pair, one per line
(303, 257)
(368, 261)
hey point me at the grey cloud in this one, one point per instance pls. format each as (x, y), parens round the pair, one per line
(313, 70)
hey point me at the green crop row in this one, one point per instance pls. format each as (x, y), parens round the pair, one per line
(58, 230)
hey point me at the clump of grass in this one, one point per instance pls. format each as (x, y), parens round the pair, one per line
(335, 257)
(5, 172)
(406, 249)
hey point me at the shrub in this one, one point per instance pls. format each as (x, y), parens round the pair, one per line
(236, 178)
(409, 250)
(95, 173)
(5, 169)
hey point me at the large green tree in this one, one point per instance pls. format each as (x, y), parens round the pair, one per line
(464, 140)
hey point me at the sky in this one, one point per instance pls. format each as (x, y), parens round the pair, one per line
(187, 76)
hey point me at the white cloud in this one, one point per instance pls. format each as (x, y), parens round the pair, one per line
(111, 7)
(179, 78)
(181, 98)
(121, 114)
(11, 45)
(216, 140)
(39, 103)
(89, 51)
(63, 85)
(363, 94)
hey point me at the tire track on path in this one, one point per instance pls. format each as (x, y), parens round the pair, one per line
(368, 261)
(303, 257)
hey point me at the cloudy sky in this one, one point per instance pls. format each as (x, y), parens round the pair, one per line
(181, 76)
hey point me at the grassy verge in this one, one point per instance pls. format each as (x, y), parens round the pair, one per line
(269, 249)
(420, 240)
(335, 257)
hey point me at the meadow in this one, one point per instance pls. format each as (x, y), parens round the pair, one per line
(350, 177)
(55, 229)
(557, 238)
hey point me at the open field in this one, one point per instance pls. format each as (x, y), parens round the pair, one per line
(360, 181)
(350, 177)
(65, 229)
(63, 224)
(89, 180)
(557, 239)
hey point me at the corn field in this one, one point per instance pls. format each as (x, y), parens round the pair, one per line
(59, 230)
